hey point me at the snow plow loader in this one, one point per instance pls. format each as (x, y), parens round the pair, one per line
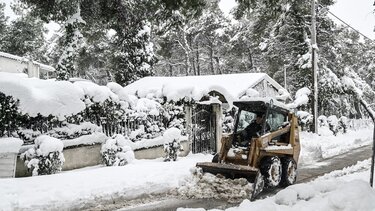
(266, 156)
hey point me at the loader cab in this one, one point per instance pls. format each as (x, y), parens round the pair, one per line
(275, 117)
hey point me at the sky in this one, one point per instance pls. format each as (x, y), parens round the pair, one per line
(357, 13)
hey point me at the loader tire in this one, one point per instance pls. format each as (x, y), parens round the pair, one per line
(215, 159)
(289, 171)
(271, 171)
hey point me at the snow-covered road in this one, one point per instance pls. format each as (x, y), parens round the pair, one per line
(92, 187)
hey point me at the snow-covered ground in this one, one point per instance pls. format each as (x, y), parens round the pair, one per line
(92, 186)
(346, 189)
(316, 147)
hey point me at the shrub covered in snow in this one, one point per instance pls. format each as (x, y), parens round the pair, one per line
(116, 151)
(172, 145)
(46, 157)
(343, 124)
(304, 119)
(228, 120)
(333, 124)
(174, 115)
(71, 131)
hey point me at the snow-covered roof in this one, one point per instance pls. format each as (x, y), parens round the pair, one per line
(22, 59)
(13, 57)
(231, 86)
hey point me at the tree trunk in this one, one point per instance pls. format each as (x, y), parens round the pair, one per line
(211, 54)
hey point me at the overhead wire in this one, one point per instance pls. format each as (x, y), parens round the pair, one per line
(348, 25)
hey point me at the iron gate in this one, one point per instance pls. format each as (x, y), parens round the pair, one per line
(203, 129)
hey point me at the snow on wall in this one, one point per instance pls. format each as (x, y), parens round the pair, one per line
(10, 145)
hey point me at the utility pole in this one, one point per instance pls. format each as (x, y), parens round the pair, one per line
(314, 48)
(285, 78)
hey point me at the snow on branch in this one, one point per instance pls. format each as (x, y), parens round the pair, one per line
(302, 98)
(351, 85)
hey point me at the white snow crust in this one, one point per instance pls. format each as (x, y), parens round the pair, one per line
(10, 145)
(47, 97)
(232, 86)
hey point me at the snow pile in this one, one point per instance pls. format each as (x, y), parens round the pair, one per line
(88, 187)
(117, 152)
(323, 195)
(315, 147)
(206, 185)
(47, 97)
(10, 145)
(45, 157)
(346, 189)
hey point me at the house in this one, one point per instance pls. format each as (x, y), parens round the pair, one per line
(15, 64)
(210, 94)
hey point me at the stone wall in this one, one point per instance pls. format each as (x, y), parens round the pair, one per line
(84, 156)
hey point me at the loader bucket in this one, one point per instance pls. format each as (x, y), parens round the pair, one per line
(229, 170)
(252, 174)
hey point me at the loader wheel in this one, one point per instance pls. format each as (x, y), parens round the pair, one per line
(271, 170)
(258, 186)
(215, 159)
(289, 171)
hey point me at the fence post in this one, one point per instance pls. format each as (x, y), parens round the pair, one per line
(371, 113)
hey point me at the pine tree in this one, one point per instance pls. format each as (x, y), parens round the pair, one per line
(24, 37)
(3, 25)
(73, 41)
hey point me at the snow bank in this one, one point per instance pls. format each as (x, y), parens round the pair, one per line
(47, 97)
(10, 145)
(315, 147)
(346, 189)
(324, 195)
(92, 186)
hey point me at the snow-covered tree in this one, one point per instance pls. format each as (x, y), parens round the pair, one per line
(24, 37)
(72, 43)
(3, 24)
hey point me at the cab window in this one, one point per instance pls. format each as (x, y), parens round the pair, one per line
(276, 120)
